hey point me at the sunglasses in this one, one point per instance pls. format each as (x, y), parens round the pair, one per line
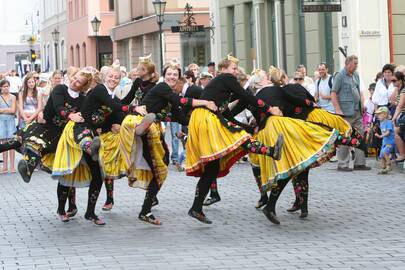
(298, 79)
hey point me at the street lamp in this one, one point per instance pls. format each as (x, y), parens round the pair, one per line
(95, 24)
(160, 6)
(55, 37)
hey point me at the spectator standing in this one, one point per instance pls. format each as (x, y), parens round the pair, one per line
(384, 87)
(205, 78)
(324, 88)
(307, 80)
(211, 69)
(15, 82)
(8, 109)
(399, 83)
(29, 105)
(347, 100)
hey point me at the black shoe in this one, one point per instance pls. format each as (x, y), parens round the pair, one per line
(146, 122)
(24, 171)
(95, 219)
(71, 212)
(304, 214)
(293, 208)
(271, 216)
(361, 168)
(199, 216)
(212, 200)
(278, 147)
(149, 218)
(94, 148)
(155, 201)
(262, 202)
(344, 169)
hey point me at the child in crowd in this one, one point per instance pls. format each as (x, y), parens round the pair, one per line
(388, 141)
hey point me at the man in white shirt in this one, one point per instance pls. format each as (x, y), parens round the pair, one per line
(384, 87)
(15, 82)
(323, 88)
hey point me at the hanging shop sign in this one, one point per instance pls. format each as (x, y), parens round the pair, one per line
(321, 5)
(189, 24)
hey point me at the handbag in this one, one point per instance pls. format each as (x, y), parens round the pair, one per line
(401, 120)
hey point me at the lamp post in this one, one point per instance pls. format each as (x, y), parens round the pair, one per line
(95, 24)
(160, 6)
(55, 37)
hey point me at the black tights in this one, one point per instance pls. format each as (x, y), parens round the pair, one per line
(95, 185)
(65, 193)
(301, 187)
(153, 187)
(257, 176)
(210, 174)
(94, 190)
(109, 189)
(302, 190)
(150, 194)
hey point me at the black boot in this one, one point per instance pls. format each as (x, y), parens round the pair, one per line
(27, 165)
(214, 195)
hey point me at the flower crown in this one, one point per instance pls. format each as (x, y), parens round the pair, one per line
(232, 58)
(145, 59)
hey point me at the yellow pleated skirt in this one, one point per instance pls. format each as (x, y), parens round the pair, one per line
(113, 164)
(305, 145)
(208, 140)
(141, 178)
(68, 166)
(325, 118)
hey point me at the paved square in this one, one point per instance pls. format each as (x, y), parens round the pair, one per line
(356, 221)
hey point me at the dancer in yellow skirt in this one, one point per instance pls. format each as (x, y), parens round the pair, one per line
(214, 143)
(38, 141)
(146, 161)
(102, 113)
(146, 80)
(306, 144)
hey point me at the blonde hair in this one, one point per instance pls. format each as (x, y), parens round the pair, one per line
(242, 77)
(86, 74)
(151, 69)
(276, 75)
(258, 75)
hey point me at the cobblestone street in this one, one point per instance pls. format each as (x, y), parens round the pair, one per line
(356, 221)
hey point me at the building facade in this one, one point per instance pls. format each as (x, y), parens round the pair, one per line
(53, 18)
(16, 31)
(136, 33)
(396, 12)
(84, 46)
(276, 32)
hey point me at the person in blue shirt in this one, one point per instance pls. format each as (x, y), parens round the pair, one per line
(387, 135)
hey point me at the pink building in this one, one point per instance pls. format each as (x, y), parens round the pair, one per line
(136, 32)
(83, 46)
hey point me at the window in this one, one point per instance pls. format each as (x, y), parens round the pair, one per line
(232, 26)
(251, 23)
(111, 5)
(72, 56)
(84, 54)
(78, 55)
(62, 54)
(76, 9)
(70, 11)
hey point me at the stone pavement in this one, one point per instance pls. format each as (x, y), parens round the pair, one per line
(356, 221)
